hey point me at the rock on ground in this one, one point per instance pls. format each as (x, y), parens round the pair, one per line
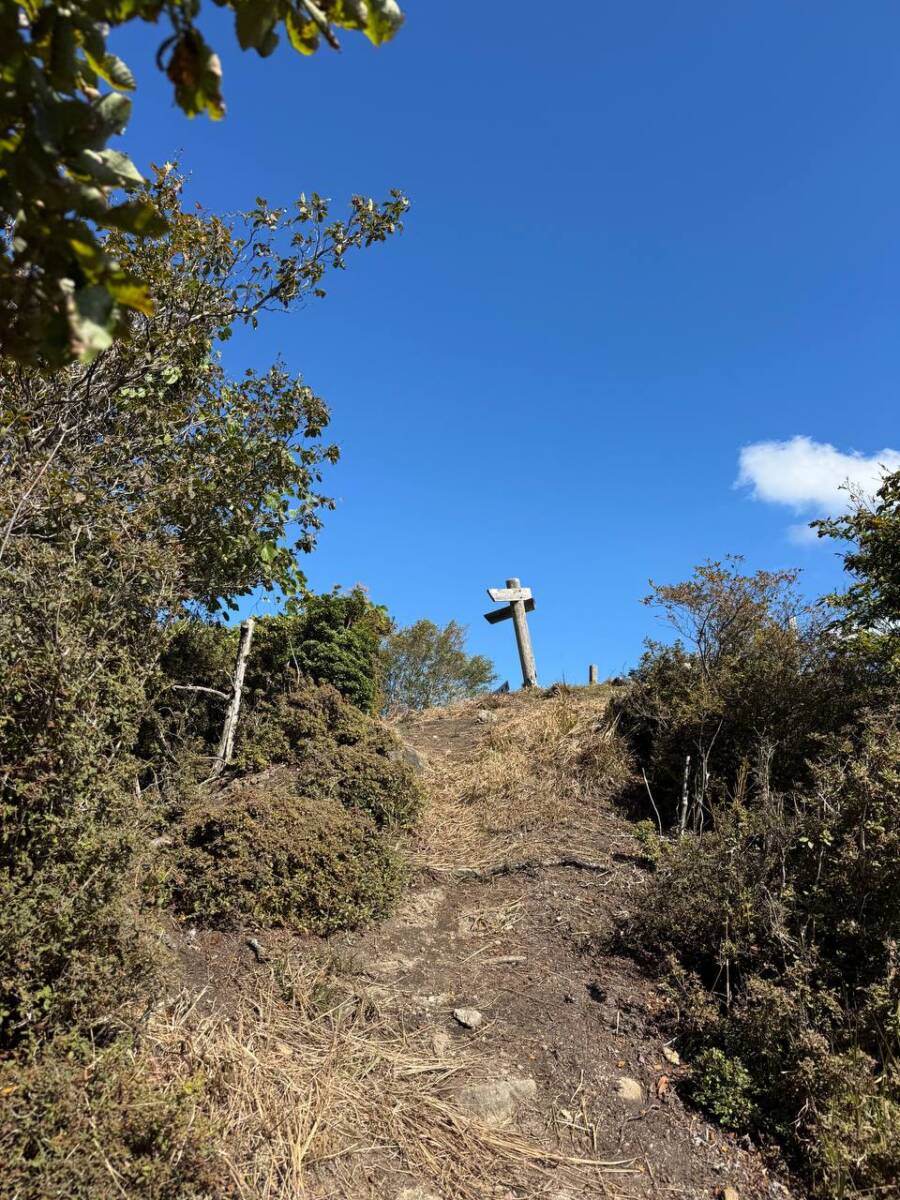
(496, 1101)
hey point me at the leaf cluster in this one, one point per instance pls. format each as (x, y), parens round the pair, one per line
(426, 666)
(64, 291)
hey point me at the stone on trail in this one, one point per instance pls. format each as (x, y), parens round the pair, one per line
(410, 758)
(469, 1018)
(496, 1100)
(417, 1193)
(730, 1193)
(629, 1090)
(484, 716)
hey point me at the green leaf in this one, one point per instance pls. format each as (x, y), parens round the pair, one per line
(91, 320)
(254, 22)
(304, 35)
(136, 216)
(112, 70)
(385, 18)
(114, 111)
(110, 167)
(132, 292)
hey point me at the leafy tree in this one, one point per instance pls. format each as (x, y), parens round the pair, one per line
(133, 490)
(752, 672)
(427, 666)
(871, 605)
(64, 290)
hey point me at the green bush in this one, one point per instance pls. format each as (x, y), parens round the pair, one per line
(777, 931)
(336, 751)
(268, 853)
(752, 672)
(78, 1124)
(723, 1087)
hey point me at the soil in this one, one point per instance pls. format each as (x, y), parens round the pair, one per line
(528, 950)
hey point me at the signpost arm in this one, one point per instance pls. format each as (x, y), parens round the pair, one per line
(523, 639)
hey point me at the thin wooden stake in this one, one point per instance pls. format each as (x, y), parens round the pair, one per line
(683, 816)
(229, 729)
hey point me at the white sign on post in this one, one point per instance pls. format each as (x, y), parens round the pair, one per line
(518, 601)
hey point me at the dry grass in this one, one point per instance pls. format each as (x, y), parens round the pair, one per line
(547, 760)
(315, 1095)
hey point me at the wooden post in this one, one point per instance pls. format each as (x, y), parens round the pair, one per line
(229, 729)
(683, 814)
(519, 601)
(592, 674)
(523, 638)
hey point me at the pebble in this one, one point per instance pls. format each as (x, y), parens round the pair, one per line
(629, 1090)
(469, 1018)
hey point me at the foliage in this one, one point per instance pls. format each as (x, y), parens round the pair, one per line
(274, 852)
(335, 751)
(65, 291)
(723, 1086)
(871, 604)
(132, 490)
(331, 638)
(426, 666)
(81, 1124)
(779, 930)
(756, 672)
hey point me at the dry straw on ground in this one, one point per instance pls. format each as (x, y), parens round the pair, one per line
(544, 759)
(315, 1095)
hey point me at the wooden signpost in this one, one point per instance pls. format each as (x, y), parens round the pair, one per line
(518, 601)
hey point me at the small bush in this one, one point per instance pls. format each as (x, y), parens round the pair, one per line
(80, 1125)
(266, 853)
(777, 931)
(723, 1087)
(752, 668)
(336, 751)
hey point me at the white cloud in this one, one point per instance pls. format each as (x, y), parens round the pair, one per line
(808, 476)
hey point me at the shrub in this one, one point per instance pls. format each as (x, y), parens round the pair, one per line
(777, 931)
(77, 1124)
(336, 751)
(723, 1087)
(332, 638)
(755, 671)
(266, 852)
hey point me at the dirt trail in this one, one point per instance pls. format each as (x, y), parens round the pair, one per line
(482, 1044)
(570, 1026)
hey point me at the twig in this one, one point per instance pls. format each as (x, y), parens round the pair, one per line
(653, 802)
(511, 868)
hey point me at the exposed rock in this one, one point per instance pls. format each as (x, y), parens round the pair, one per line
(388, 968)
(484, 716)
(672, 1056)
(730, 1193)
(470, 1018)
(495, 1101)
(417, 1193)
(629, 1090)
(441, 1042)
(411, 758)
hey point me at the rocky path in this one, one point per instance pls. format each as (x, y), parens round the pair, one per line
(509, 970)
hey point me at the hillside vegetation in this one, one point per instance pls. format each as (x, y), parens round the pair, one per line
(769, 737)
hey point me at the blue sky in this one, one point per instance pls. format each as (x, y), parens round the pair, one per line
(643, 238)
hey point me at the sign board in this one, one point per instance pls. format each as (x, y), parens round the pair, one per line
(509, 594)
(504, 614)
